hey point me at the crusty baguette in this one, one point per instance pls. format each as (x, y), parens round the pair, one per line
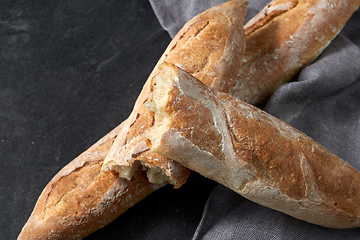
(81, 199)
(251, 152)
(210, 46)
(62, 211)
(283, 38)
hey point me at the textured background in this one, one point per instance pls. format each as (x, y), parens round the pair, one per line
(70, 71)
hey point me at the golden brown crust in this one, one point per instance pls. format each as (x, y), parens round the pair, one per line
(255, 154)
(81, 199)
(210, 46)
(283, 38)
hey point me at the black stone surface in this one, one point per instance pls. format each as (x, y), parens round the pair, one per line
(70, 71)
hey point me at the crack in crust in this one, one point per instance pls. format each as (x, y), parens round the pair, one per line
(90, 170)
(198, 31)
(269, 15)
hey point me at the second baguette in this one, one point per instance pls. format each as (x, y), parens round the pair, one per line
(210, 46)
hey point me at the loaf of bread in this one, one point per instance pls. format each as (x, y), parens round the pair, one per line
(251, 152)
(81, 199)
(282, 39)
(210, 46)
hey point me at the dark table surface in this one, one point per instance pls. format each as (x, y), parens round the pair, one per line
(70, 72)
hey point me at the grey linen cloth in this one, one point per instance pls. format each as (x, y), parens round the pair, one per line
(323, 101)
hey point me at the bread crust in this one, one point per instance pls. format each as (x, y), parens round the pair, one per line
(210, 46)
(282, 39)
(80, 199)
(253, 153)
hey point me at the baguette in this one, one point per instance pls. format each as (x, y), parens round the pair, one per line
(62, 211)
(81, 199)
(282, 39)
(251, 152)
(210, 46)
